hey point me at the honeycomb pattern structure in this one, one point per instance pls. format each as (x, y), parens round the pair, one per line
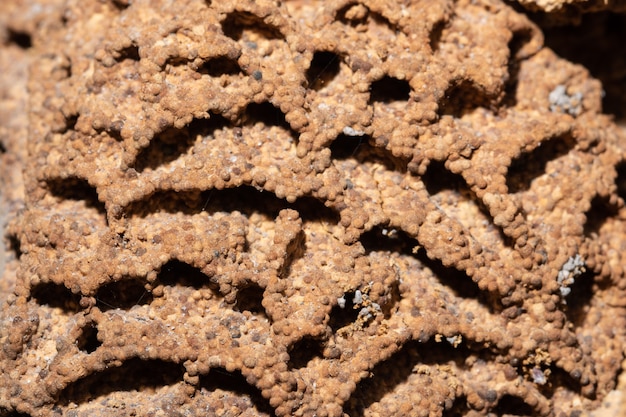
(312, 208)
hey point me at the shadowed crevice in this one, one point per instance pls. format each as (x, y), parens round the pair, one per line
(122, 294)
(323, 70)
(389, 89)
(56, 296)
(236, 385)
(245, 199)
(237, 22)
(133, 375)
(303, 351)
(88, 340)
(77, 189)
(463, 97)
(531, 165)
(173, 143)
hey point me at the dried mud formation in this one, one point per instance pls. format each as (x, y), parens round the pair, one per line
(315, 208)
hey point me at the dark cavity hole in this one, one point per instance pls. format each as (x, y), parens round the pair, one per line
(3, 148)
(516, 46)
(620, 181)
(176, 272)
(324, 68)
(234, 382)
(122, 294)
(236, 22)
(221, 65)
(598, 44)
(530, 165)
(344, 146)
(579, 299)
(250, 299)
(514, 406)
(134, 375)
(353, 14)
(601, 209)
(88, 340)
(266, 114)
(437, 178)
(389, 374)
(436, 32)
(130, 52)
(342, 317)
(21, 39)
(56, 296)
(456, 408)
(164, 148)
(389, 89)
(77, 189)
(462, 98)
(70, 122)
(15, 246)
(459, 283)
(303, 351)
(387, 239)
(295, 250)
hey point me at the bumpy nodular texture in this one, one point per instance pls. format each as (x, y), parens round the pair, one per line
(309, 208)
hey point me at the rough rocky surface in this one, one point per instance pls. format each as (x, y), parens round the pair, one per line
(309, 208)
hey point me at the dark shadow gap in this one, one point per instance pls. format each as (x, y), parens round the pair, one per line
(343, 314)
(235, 383)
(245, 199)
(620, 181)
(387, 375)
(266, 114)
(531, 165)
(389, 89)
(78, 189)
(23, 40)
(3, 148)
(175, 272)
(520, 39)
(56, 296)
(597, 43)
(344, 146)
(236, 22)
(436, 32)
(295, 250)
(70, 123)
(601, 210)
(130, 53)
(323, 70)
(173, 143)
(456, 408)
(356, 15)
(221, 65)
(463, 97)
(559, 378)
(438, 178)
(579, 299)
(123, 294)
(459, 283)
(15, 246)
(365, 149)
(250, 298)
(513, 406)
(134, 375)
(383, 239)
(88, 340)
(353, 14)
(303, 351)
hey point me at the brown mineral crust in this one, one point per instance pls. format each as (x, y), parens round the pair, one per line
(312, 208)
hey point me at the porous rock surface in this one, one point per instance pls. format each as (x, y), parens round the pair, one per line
(310, 208)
